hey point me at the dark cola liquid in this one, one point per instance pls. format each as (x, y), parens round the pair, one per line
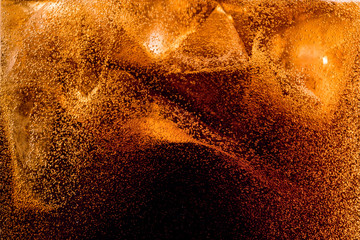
(180, 119)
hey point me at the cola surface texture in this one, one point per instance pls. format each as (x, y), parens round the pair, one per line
(179, 119)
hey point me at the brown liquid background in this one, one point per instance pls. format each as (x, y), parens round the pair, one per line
(313, 222)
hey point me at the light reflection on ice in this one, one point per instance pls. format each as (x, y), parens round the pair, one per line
(325, 60)
(156, 43)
